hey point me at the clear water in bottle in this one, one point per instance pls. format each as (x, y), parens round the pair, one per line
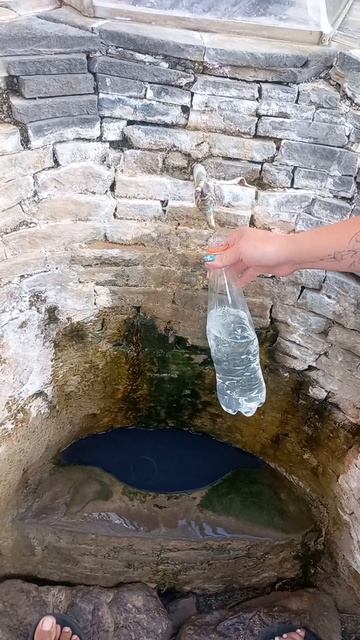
(235, 352)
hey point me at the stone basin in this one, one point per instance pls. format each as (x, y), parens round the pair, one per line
(250, 529)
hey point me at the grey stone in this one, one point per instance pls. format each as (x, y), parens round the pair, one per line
(299, 318)
(276, 175)
(227, 50)
(45, 108)
(232, 147)
(65, 207)
(286, 110)
(177, 165)
(330, 209)
(230, 169)
(228, 195)
(43, 65)
(154, 39)
(80, 151)
(209, 85)
(346, 72)
(251, 620)
(333, 116)
(227, 122)
(125, 108)
(153, 187)
(67, 15)
(199, 144)
(172, 95)
(112, 129)
(61, 129)
(127, 209)
(339, 308)
(350, 84)
(122, 86)
(136, 161)
(306, 222)
(165, 139)
(320, 94)
(137, 71)
(304, 356)
(279, 210)
(348, 61)
(318, 132)
(311, 278)
(342, 285)
(25, 163)
(202, 102)
(11, 193)
(341, 359)
(345, 338)
(35, 36)
(278, 93)
(253, 74)
(82, 177)
(12, 220)
(56, 85)
(319, 157)
(344, 186)
(9, 139)
(132, 611)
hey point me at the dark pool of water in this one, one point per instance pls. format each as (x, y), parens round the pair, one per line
(160, 460)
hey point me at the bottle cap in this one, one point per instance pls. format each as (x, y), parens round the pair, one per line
(218, 245)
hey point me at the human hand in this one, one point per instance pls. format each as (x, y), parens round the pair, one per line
(253, 252)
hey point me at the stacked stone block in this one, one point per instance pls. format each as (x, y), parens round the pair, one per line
(96, 158)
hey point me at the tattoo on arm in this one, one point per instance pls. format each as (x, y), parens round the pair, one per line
(351, 255)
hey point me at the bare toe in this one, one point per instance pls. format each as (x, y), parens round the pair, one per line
(46, 629)
(66, 634)
(295, 635)
(58, 632)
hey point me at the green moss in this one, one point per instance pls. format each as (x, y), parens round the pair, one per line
(261, 497)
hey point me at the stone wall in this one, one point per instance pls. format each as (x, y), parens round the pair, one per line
(101, 125)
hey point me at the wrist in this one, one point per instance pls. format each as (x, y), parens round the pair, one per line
(290, 249)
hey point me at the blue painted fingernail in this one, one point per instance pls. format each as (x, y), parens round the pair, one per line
(209, 258)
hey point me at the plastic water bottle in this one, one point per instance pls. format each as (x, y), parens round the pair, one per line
(234, 346)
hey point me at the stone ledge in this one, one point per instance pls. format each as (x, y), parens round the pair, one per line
(35, 36)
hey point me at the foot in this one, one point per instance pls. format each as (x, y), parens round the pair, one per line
(293, 635)
(47, 629)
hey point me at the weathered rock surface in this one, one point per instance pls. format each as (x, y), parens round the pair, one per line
(82, 177)
(28, 65)
(133, 611)
(62, 129)
(319, 157)
(187, 542)
(177, 43)
(125, 108)
(45, 108)
(71, 84)
(250, 620)
(9, 139)
(35, 36)
(137, 71)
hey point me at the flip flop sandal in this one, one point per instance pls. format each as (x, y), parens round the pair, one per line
(64, 621)
(278, 630)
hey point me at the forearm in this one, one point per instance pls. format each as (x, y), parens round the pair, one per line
(335, 247)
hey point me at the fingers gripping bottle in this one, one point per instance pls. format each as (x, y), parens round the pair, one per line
(233, 343)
